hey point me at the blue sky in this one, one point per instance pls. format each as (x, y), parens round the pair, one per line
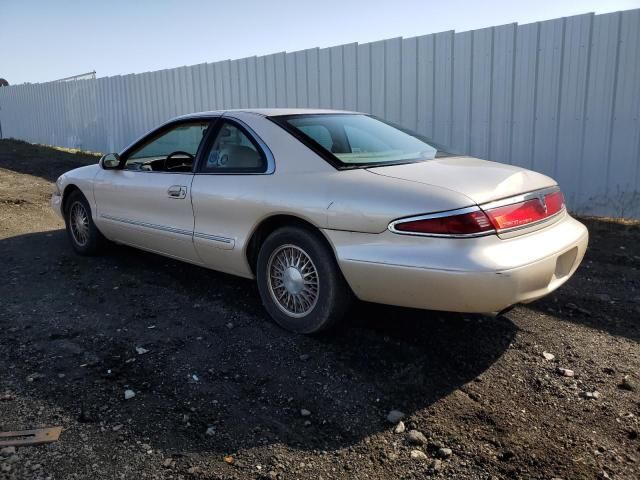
(45, 40)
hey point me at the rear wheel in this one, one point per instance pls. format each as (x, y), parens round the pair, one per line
(83, 234)
(300, 283)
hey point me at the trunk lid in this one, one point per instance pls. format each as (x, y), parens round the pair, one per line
(480, 180)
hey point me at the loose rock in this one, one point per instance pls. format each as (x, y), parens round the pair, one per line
(8, 451)
(591, 395)
(628, 384)
(416, 438)
(444, 452)
(400, 428)
(565, 372)
(418, 455)
(548, 356)
(395, 416)
(129, 394)
(304, 412)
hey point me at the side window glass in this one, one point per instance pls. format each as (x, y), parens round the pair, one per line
(172, 151)
(233, 151)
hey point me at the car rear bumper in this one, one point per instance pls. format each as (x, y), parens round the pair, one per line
(481, 275)
(56, 203)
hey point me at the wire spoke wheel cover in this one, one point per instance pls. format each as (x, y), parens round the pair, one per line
(79, 223)
(293, 280)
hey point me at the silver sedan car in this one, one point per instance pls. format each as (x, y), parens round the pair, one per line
(325, 206)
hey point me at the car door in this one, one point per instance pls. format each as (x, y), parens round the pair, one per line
(228, 194)
(146, 202)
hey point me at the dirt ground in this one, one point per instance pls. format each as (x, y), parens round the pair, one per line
(220, 391)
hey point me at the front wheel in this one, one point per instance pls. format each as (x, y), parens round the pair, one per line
(83, 234)
(300, 283)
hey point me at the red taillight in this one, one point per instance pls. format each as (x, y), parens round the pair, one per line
(461, 224)
(555, 202)
(529, 211)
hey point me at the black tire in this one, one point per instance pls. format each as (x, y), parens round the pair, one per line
(333, 293)
(94, 242)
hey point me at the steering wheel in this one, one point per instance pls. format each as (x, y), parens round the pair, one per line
(177, 152)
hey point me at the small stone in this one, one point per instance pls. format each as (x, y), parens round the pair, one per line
(418, 455)
(395, 416)
(305, 357)
(628, 384)
(211, 431)
(168, 463)
(228, 459)
(590, 395)
(141, 351)
(61, 375)
(117, 428)
(548, 356)
(565, 372)
(8, 451)
(129, 394)
(603, 297)
(400, 428)
(34, 376)
(444, 452)
(436, 465)
(229, 325)
(304, 412)
(416, 438)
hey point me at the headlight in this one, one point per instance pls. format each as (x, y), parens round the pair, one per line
(58, 183)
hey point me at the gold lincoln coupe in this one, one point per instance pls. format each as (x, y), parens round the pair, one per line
(323, 206)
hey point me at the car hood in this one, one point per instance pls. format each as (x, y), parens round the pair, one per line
(480, 180)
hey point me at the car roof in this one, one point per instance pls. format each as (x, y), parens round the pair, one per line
(265, 112)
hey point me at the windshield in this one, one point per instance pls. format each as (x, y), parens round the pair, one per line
(355, 140)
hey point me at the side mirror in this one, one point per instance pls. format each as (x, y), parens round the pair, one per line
(110, 161)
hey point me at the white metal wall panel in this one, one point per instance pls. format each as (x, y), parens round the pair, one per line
(462, 90)
(481, 93)
(426, 85)
(599, 104)
(501, 124)
(560, 96)
(409, 87)
(443, 70)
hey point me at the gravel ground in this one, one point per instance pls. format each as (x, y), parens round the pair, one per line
(222, 393)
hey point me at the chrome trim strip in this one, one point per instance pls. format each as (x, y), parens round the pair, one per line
(447, 213)
(148, 225)
(205, 236)
(215, 238)
(519, 198)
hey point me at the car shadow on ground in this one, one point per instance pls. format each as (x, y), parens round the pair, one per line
(214, 362)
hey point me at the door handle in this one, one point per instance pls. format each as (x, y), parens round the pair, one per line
(177, 191)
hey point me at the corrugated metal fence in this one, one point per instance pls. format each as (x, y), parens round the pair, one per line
(560, 96)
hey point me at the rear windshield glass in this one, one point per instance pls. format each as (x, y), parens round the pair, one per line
(353, 140)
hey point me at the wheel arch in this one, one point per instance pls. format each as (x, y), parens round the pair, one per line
(271, 224)
(68, 190)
